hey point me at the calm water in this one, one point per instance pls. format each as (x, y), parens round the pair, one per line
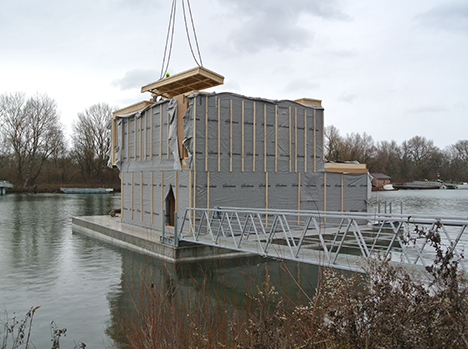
(80, 282)
(424, 202)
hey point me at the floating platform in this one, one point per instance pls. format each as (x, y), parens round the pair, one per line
(147, 241)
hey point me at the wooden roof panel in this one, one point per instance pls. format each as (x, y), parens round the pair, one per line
(198, 78)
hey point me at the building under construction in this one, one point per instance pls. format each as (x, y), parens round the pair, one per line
(186, 148)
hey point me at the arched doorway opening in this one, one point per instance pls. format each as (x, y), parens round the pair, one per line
(170, 207)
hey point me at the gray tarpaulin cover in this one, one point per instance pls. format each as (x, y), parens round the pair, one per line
(241, 151)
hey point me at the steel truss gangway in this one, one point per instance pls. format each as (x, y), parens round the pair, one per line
(343, 240)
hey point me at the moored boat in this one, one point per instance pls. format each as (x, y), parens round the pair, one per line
(87, 190)
(419, 185)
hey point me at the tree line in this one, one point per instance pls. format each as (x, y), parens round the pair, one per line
(414, 159)
(34, 150)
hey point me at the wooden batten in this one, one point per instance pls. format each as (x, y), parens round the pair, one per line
(254, 136)
(141, 196)
(340, 167)
(315, 143)
(206, 134)
(290, 140)
(305, 140)
(195, 79)
(219, 134)
(132, 108)
(152, 197)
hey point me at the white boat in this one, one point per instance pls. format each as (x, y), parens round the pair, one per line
(388, 187)
(463, 186)
(87, 190)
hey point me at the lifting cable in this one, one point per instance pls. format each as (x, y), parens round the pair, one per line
(170, 37)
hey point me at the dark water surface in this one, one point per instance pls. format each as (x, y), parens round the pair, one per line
(80, 282)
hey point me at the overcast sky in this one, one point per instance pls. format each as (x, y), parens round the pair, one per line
(393, 69)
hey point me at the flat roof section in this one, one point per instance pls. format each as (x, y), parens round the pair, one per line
(195, 79)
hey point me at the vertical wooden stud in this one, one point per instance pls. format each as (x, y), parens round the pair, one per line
(135, 138)
(290, 140)
(323, 138)
(325, 191)
(168, 149)
(146, 134)
(242, 136)
(254, 135)
(151, 139)
(295, 139)
(276, 138)
(207, 189)
(152, 193)
(160, 129)
(219, 134)
(128, 138)
(122, 195)
(206, 133)
(194, 161)
(162, 197)
(140, 119)
(230, 135)
(141, 196)
(131, 198)
(305, 140)
(315, 142)
(264, 138)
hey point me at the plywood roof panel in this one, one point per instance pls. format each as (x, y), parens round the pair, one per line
(194, 79)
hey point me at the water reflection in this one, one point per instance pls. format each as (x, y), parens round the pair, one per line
(43, 263)
(222, 283)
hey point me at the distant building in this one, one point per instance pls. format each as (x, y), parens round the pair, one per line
(379, 180)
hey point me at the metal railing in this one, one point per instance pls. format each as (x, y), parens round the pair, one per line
(339, 239)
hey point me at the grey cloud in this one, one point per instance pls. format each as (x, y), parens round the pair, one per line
(300, 85)
(136, 78)
(428, 109)
(347, 97)
(450, 15)
(275, 24)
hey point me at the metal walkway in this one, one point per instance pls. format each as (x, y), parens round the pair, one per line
(339, 239)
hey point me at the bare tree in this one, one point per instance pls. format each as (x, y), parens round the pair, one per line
(90, 139)
(421, 158)
(333, 143)
(33, 132)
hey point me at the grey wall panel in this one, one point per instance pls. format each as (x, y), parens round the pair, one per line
(355, 187)
(312, 191)
(333, 192)
(283, 191)
(157, 212)
(147, 199)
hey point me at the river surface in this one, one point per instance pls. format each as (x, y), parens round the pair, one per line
(80, 283)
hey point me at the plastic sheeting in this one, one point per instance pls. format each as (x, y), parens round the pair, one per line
(147, 139)
(227, 132)
(246, 152)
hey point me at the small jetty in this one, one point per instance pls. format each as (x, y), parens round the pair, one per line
(4, 185)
